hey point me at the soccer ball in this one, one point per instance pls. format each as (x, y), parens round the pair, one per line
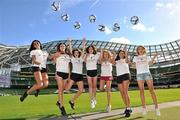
(55, 6)
(77, 25)
(101, 28)
(116, 27)
(134, 20)
(65, 17)
(92, 18)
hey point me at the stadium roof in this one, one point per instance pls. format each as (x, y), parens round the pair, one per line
(19, 55)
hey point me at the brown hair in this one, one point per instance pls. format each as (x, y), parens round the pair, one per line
(78, 51)
(117, 57)
(66, 49)
(94, 49)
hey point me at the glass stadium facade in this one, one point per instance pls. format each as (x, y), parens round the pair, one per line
(166, 68)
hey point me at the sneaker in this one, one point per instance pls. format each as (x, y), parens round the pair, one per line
(126, 110)
(94, 101)
(62, 109)
(108, 109)
(23, 96)
(144, 112)
(158, 113)
(72, 105)
(128, 113)
(36, 93)
(92, 104)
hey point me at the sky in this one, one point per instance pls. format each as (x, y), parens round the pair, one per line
(22, 21)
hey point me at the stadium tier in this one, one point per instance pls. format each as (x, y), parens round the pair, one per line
(165, 71)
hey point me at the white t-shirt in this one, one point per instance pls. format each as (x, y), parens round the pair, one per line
(142, 63)
(38, 55)
(91, 63)
(45, 56)
(62, 63)
(77, 65)
(122, 67)
(106, 68)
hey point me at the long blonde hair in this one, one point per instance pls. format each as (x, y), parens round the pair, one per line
(108, 52)
(139, 47)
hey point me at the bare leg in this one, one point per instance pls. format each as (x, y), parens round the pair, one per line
(126, 96)
(141, 88)
(94, 81)
(102, 83)
(90, 84)
(108, 90)
(38, 85)
(121, 89)
(152, 91)
(60, 83)
(80, 90)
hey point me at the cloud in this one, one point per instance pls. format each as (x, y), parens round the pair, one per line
(123, 40)
(107, 30)
(172, 8)
(142, 28)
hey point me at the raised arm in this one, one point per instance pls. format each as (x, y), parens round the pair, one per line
(153, 59)
(70, 45)
(100, 57)
(84, 47)
(113, 57)
(126, 57)
(54, 56)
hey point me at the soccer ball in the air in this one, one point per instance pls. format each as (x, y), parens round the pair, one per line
(65, 17)
(77, 25)
(134, 20)
(116, 27)
(55, 6)
(102, 28)
(92, 18)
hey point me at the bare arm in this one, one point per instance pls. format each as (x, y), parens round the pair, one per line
(54, 56)
(100, 57)
(153, 59)
(70, 45)
(83, 51)
(34, 60)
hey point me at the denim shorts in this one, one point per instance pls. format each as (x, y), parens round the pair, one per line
(144, 76)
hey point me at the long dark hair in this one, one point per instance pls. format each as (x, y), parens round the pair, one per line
(32, 45)
(94, 49)
(66, 49)
(117, 57)
(78, 51)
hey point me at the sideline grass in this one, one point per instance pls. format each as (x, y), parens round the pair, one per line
(44, 105)
(166, 114)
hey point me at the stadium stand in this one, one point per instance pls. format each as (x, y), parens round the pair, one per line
(166, 70)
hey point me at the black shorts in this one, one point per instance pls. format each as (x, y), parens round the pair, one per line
(76, 77)
(44, 70)
(92, 73)
(35, 69)
(122, 78)
(64, 76)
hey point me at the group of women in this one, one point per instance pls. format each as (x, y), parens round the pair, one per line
(66, 76)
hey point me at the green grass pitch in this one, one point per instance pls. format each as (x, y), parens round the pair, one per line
(44, 105)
